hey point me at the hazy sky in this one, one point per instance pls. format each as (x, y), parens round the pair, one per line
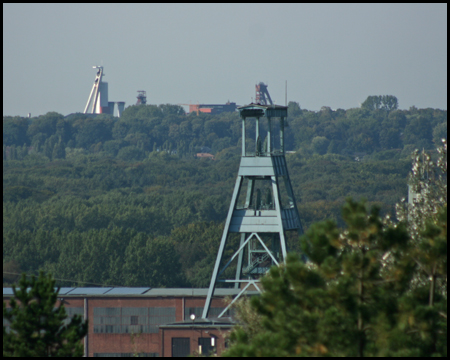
(330, 54)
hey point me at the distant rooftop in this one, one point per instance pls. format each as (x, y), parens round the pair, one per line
(129, 291)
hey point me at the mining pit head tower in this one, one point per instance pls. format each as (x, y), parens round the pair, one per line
(262, 207)
(262, 95)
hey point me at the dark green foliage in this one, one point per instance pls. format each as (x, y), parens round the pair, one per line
(320, 144)
(377, 125)
(385, 102)
(59, 151)
(419, 131)
(294, 109)
(14, 130)
(153, 262)
(36, 325)
(130, 153)
(69, 205)
(70, 180)
(92, 131)
(197, 245)
(390, 138)
(439, 133)
(45, 124)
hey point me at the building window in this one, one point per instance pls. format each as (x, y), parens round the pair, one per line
(197, 311)
(205, 343)
(181, 347)
(71, 311)
(128, 320)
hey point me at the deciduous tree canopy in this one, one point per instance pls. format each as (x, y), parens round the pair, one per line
(81, 195)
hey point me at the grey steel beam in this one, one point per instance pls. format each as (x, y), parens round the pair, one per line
(221, 248)
(277, 202)
(236, 254)
(243, 136)
(248, 200)
(239, 264)
(237, 297)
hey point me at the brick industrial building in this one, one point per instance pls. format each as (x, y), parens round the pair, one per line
(146, 321)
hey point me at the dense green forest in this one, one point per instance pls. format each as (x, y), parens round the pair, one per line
(124, 201)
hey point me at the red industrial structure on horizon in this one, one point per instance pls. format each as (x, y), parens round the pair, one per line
(262, 97)
(262, 94)
(98, 99)
(142, 97)
(212, 108)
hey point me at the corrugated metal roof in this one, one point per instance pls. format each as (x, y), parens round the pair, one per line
(65, 290)
(191, 292)
(90, 291)
(7, 291)
(62, 291)
(145, 291)
(128, 291)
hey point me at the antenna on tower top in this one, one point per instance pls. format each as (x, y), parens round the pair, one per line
(285, 95)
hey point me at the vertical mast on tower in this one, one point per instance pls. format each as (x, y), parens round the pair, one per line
(262, 208)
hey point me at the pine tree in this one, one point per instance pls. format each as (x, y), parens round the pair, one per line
(37, 325)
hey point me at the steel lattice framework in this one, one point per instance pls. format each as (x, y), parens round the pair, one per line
(262, 213)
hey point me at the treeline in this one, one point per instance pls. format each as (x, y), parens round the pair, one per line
(124, 202)
(377, 126)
